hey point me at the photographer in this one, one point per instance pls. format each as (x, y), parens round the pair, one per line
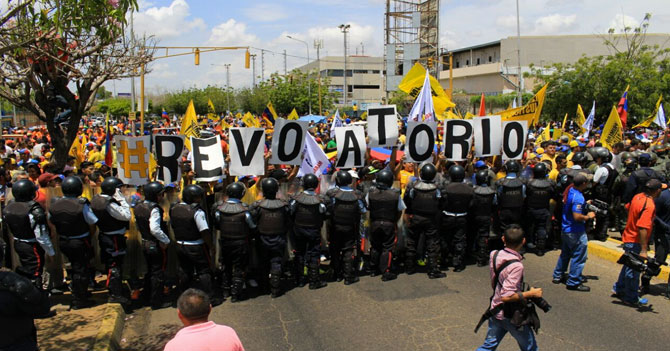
(641, 213)
(508, 300)
(573, 236)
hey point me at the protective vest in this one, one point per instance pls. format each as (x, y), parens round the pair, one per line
(142, 218)
(642, 176)
(539, 192)
(483, 201)
(182, 220)
(271, 217)
(603, 191)
(345, 209)
(67, 214)
(457, 198)
(383, 204)
(106, 223)
(232, 221)
(16, 214)
(511, 195)
(307, 213)
(425, 202)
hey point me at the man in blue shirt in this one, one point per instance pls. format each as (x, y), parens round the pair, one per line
(573, 236)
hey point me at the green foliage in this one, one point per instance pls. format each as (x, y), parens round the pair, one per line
(116, 107)
(178, 102)
(103, 94)
(403, 102)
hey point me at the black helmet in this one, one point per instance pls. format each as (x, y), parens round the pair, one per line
(593, 151)
(482, 177)
(343, 178)
(540, 170)
(24, 190)
(604, 154)
(579, 158)
(192, 194)
(630, 163)
(152, 190)
(310, 181)
(457, 173)
(72, 186)
(269, 186)
(110, 184)
(428, 172)
(236, 190)
(385, 179)
(512, 166)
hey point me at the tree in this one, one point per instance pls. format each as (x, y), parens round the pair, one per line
(115, 107)
(54, 58)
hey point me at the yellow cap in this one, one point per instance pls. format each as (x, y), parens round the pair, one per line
(574, 143)
(539, 150)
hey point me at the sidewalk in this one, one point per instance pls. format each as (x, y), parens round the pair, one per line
(612, 249)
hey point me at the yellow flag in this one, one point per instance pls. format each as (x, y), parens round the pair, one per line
(565, 121)
(293, 116)
(364, 115)
(451, 115)
(544, 136)
(613, 130)
(649, 120)
(580, 118)
(529, 112)
(250, 121)
(189, 125)
(469, 115)
(238, 115)
(413, 82)
(211, 112)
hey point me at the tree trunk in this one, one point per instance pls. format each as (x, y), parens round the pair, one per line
(62, 142)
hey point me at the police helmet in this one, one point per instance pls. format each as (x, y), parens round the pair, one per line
(659, 149)
(385, 178)
(152, 191)
(270, 186)
(110, 184)
(630, 163)
(625, 155)
(654, 157)
(579, 158)
(540, 170)
(644, 159)
(604, 154)
(24, 190)
(310, 181)
(482, 177)
(428, 172)
(343, 178)
(457, 173)
(72, 186)
(236, 190)
(512, 166)
(593, 151)
(192, 194)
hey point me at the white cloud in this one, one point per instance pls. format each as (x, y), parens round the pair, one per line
(231, 33)
(265, 12)
(620, 21)
(167, 21)
(508, 22)
(554, 24)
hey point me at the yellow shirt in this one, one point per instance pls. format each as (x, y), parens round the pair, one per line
(95, 156)
(569, 159)
(553, 174)
(251, 195)
(404, 179)
(552, 159)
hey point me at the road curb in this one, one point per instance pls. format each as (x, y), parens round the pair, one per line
(599, 249)
(109, 335)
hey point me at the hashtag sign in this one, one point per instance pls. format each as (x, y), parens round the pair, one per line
(133, 157)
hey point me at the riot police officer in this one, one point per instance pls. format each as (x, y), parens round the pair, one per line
(74, 222)
(422, 199)
(385, 206)
(603, 179)
(234, 223)
(483, 209)
(27, 221)
(539, 192)
(113, 214)
(345, 209)
(308, 211)
(511, 194)
(191, 232)
(455, 203)
(640, 177)
(153, 229)
(621, 214)
(272, 219)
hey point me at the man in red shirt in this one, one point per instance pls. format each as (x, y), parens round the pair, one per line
(635, 237)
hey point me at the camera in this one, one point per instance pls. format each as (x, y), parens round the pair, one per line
(598, 206)
(650, 268)
(540, 302)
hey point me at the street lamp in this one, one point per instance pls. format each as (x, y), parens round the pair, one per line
(345, 29)
(309, 84)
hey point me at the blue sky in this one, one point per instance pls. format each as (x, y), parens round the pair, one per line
(265, 24)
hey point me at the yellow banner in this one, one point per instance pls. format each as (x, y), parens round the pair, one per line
(581, 119)
(211, 112)
(613, 130)
(449, 115)
(413, 82)
(649, 120)
(544, 136)
(469, 115)
(529, 112)
(250, 121)
(189, 125)
(293, 116)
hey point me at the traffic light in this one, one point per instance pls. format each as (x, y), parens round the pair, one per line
(247, 59)
(197, 56)
(430, 62)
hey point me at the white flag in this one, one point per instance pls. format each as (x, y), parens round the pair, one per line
(514, 103)
(315, 160)
(423, 105)
(337, 122)
(588, 124)
(660, 116)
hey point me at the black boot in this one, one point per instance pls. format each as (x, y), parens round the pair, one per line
(236, 289)
(387, 276)
(350, 276)
(410, 265)
(299, 274)
(315, 281)
(79, 292)
(275, 284)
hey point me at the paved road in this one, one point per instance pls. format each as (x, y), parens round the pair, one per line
(415, 313)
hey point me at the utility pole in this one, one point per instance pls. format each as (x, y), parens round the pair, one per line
(318, 44)
(262, 65)
(227, 65)
(518, 54)
(345, 29)
(132, 77)
(253, 66)
(285, 72)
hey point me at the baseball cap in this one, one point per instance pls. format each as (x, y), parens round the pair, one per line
(580, 179)
(45, 178)
(539, 151)
(655, 184)
(645, 156)
(563, 148)
(480, 164)
(574, 143)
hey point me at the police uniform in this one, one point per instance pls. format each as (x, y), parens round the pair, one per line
(539, 192)
(637, 180)
(188, 223)
(455, 203)
(272, 220)
(604, 179)
(384, 206)
(113, 214)
(345, 209)
(308, 211)
(620, 212)
(423, 204)
(235, 223)
(27, 222)
(72, 218)
(153, 229)
(511, 194)
(483, 209)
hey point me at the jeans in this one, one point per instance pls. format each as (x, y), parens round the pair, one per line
(573, 252)
(629, 279)
(498, 329)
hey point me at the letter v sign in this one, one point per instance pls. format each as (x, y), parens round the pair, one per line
(247, 151)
